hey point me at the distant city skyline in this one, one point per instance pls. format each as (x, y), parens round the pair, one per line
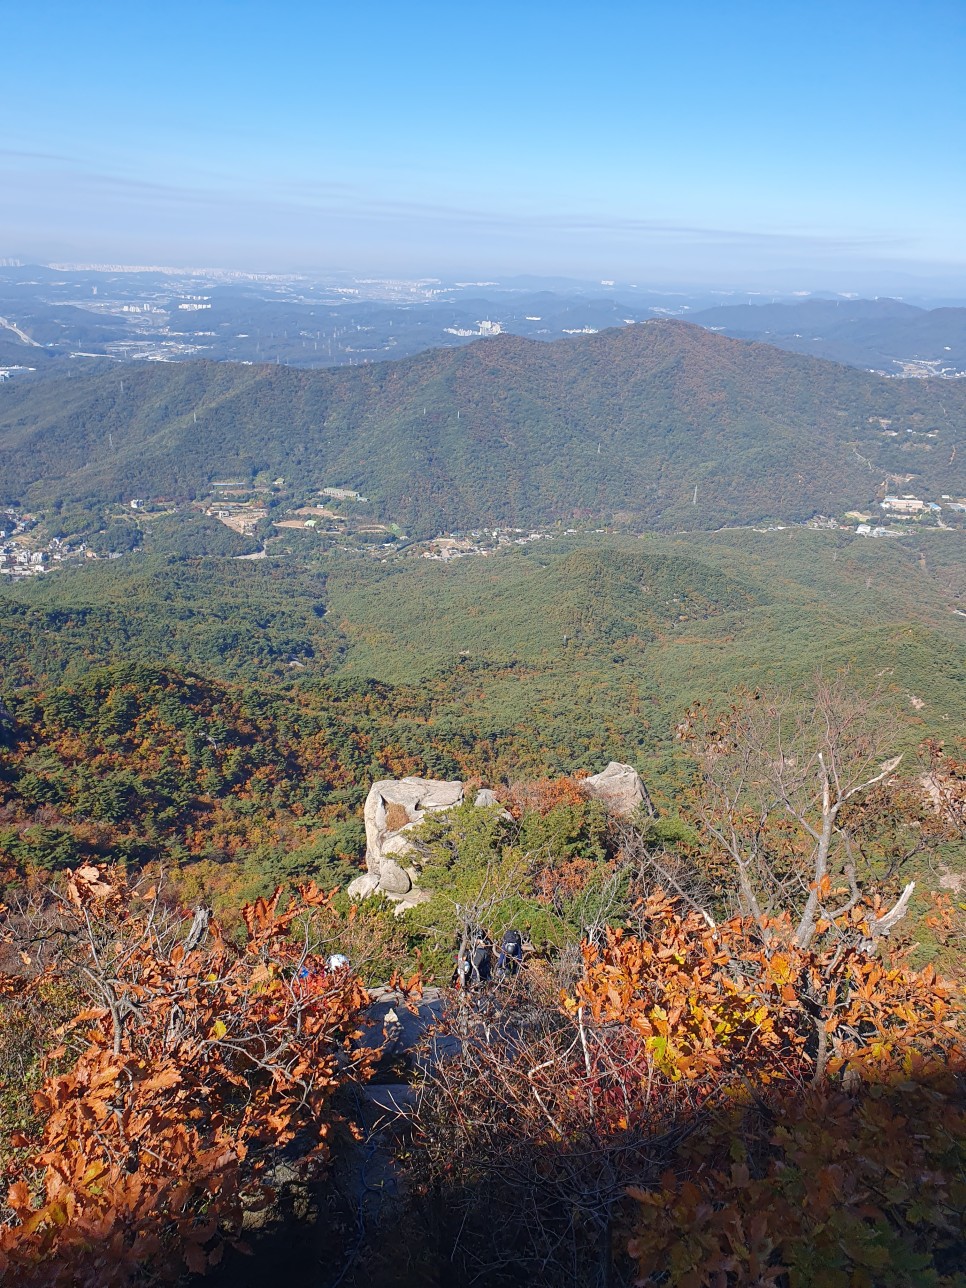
(810, 146)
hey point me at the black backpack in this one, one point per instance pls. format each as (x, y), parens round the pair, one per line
(480, 961)
(513, 945)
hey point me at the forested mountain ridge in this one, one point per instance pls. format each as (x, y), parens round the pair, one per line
(624, 423)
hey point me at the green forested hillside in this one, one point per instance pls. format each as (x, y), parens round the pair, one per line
(219, 617)
(228, 716)
(626, 423)
(593, 630)
(672, 620)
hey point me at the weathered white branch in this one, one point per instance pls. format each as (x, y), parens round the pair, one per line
(198, 928)
(882, 925)
(884, 772)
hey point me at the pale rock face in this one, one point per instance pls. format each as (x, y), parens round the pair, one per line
(363, 886)
(413, 796)
(398, 842)
(394, 807)
(485, 798)
(411, 900)
(392, 879)
(620, 787)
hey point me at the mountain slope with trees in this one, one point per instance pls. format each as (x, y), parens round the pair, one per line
(625, 423)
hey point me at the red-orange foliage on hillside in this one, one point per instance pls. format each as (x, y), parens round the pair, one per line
(545, 794)
(171, 1099)
(742, 1109)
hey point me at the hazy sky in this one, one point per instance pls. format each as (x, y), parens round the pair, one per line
(716, 141)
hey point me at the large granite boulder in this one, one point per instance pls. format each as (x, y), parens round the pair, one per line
(621, 789)
(393, 879)
(394, 807)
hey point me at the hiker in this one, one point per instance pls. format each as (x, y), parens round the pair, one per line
(461, 975)
(480, 960)
(511, 953)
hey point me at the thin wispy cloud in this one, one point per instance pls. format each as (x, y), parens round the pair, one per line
(333, 199)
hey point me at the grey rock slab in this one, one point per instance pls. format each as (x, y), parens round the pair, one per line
(619, 787)
(387, 827)
(416, 796)
(411, 900)
(364, 886)
(393, 880)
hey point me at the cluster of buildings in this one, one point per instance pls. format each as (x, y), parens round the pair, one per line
(908, 505)
(867, 530)
(15, 559)
(484, 327)
(459, 546)
(899, 507)
(16, 562)
(343, 494)
(20, 559)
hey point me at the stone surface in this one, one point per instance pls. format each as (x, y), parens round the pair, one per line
(363, 886)
(411, 900)
(393, 809)
(620, 787)
(392, 879)
(413, 798)
(485, 797)
(397, 843)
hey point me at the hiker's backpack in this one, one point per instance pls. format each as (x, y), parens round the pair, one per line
(480, 961)
(513, 943)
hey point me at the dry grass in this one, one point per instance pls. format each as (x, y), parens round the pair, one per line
(397, 816)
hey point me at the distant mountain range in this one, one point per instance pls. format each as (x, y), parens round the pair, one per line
(76, 318)
(661, 425)
(882, 335)
(79, 316)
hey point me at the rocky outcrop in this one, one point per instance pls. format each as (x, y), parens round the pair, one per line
(621, 789)
(394, 807)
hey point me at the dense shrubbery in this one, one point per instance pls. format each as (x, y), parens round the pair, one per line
(192, 1066)
(706, 1108)
(682, 1089)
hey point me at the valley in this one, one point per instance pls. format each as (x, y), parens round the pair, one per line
(483, 646)
(235, 597)
(509, 560)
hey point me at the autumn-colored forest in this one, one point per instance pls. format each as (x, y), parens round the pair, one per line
(734, 1054)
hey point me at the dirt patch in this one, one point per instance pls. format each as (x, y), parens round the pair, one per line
(950, 880)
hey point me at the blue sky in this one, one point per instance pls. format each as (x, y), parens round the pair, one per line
(714, 142)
